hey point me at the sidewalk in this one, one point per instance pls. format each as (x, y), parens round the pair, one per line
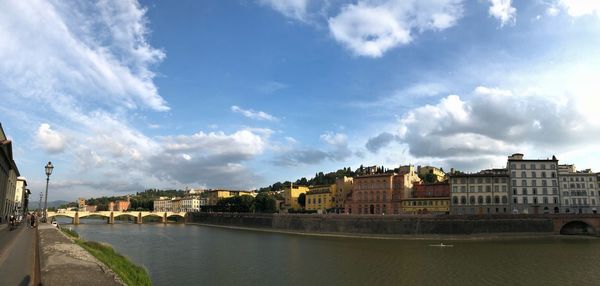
(65, 263)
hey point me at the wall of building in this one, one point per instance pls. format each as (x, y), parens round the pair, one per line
(380, 225)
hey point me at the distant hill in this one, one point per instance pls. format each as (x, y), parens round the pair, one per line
(51, 204)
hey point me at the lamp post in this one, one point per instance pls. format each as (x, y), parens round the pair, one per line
(48, 168)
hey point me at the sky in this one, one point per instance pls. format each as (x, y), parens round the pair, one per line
(125, 95)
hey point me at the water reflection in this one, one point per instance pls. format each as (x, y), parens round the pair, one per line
(177, 254)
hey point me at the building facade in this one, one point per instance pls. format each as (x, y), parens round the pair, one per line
(320, 198)
(578, 190)
(343, 187)
(213, 196)
(486, 192)
(291, 194)
(534, 185)
(382, 193)
(438, 174)
(20, 195)
(428, 198)
(190, 204)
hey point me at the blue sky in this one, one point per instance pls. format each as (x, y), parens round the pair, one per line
(128, 95)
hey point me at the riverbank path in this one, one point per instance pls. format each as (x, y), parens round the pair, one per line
(18, 250)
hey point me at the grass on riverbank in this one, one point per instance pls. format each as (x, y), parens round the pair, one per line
(130, 273)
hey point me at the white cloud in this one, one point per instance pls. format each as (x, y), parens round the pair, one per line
(50, 140)
(335, 139)
(258, 115)
(577, 8)
(371, 28)
(79, 52)
(503, 11)
(552, 11)
(296, 9)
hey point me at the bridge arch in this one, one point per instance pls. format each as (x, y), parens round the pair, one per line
(577, 227)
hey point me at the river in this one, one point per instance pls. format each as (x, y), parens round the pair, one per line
(177, 254)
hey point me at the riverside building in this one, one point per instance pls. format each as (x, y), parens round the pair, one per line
(381, 193)
(343, 187)
(428, 198)
(534, 185)
(579, 190)
(320, 198)
(485, 192)
(291, 194)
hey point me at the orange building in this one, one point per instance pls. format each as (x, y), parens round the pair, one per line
(381, 193)
(119, 205)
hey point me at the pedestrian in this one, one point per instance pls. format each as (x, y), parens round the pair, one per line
(32, 220)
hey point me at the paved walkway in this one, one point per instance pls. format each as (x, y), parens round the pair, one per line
(18, 249)
(66, 263)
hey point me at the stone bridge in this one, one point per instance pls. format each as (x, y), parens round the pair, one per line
(577, 224)
(111, 215)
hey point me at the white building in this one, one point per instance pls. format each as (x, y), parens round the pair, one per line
(187, 204)
(534, 185)
(20, 194)
(579, 190)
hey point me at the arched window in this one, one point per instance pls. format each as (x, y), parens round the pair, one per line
(504, 199)
(463, 200)
(480, 200)
(488, 200)
(496, 199)
(455, 200)
(472, 200)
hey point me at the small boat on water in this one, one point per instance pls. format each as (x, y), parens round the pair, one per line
(441, 245)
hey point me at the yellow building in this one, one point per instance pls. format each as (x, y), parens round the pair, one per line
(343, 187)
(213, 196)
(438, 174)
(426, 205)
(321, 197)
(291, 194)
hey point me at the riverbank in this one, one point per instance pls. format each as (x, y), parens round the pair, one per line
(390, 227)
(64, 261)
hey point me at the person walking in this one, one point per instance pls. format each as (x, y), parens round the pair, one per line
(32, 220)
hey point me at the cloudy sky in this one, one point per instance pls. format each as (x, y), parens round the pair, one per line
(127, 95)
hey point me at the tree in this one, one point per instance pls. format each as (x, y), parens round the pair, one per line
(265, 202)
(302, 200)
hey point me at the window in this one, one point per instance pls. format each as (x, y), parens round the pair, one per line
(533, 175)
(545, 191)
(479, 180)
(488, 188)
(543, 174)
(567, 202)
(534, 183)
(534, 190)
(525, 200)
(514, 183)
(455, 200)
(479, 188)
(472, 200)
(488, 200)
(496, 199)
(545, 200)
(524, 183)
(524, 191)
(544, 183)
(523, 174)
(532, 166)
(472, 189)
(463, 200)
(513, 174)
(543, 166)
(523, 166)
(463, 189)
(514, 191)
(480, 200)
(513, 166)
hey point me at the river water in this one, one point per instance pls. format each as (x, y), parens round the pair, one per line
(177, 254)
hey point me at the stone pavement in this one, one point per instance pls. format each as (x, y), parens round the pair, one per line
(65, 263)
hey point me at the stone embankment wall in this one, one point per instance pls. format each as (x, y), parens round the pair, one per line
(380, 225)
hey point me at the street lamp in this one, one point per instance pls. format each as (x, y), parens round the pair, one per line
(48, 168)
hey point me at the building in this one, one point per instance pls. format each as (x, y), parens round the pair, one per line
(291, 194)
(534, 185)
(320, 198)
(381, 193)
(81, 204)
(485, 192)
(163, 204)
(428, 198)
(579, 192)
(20, 194)
(437, 174)
(120, 205)
(343, 187)
(88, 208)
(190, 204)
(213, 196)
